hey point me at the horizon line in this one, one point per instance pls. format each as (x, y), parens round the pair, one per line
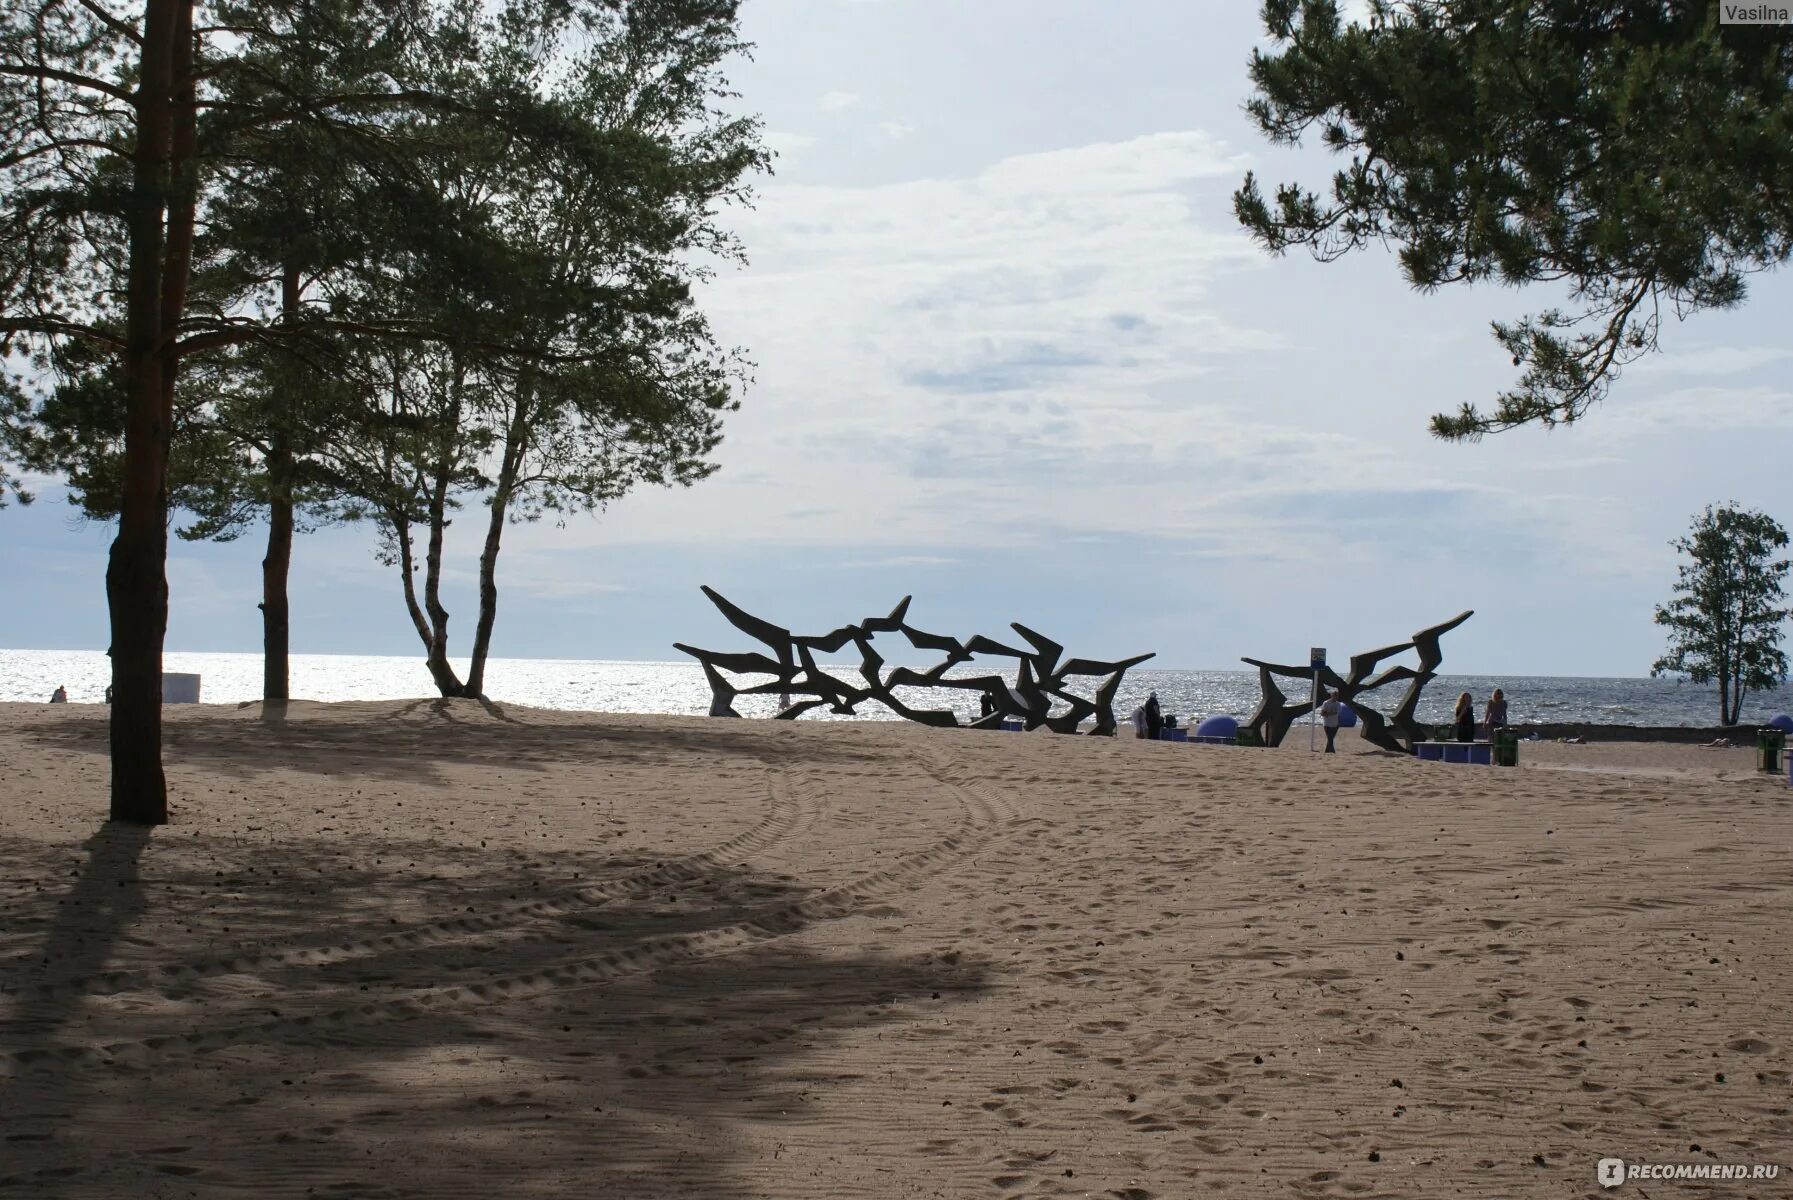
(418, 656)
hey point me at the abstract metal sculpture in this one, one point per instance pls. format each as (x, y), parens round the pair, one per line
(1275, 714)
(1040, 677)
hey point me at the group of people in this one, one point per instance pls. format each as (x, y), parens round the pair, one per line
(1148, 719)
(1463, 723)
(60, 695)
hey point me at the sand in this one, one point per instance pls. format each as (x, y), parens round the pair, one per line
(440, 949)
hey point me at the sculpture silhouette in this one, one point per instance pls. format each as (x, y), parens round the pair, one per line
(1275, 714)
(1040, 677)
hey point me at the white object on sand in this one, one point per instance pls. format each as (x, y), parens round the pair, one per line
(178, 688)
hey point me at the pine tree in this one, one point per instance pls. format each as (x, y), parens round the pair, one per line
(148, 168)
(1636, 151)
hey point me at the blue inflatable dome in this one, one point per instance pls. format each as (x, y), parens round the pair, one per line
(1782, 722)
(1218, 727)
(1347, 717)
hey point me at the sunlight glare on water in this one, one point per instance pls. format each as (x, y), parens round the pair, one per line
(679, 687)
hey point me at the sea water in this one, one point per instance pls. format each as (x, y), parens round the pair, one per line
(679, 687)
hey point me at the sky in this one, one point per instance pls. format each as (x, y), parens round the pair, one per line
(1015, 357)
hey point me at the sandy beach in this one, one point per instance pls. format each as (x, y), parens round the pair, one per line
(444, 949)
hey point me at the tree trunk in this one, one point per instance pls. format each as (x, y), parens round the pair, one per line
(155, 293)
(437, 640)
(428, 618)
(516, 444)
(441, 673)
(137, 596)
(276, 565)
(436, 643)
(488, 592)
(407, 568)
(1739, 651)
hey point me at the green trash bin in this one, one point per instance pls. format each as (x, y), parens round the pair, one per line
(1506, 747)
(1245, 735)
(1770, 745)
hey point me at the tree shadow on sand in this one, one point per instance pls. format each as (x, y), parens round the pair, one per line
(544, 1044)
(82, 932)
(406, 743)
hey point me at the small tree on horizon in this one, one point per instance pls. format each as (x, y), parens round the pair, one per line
(1725, 620)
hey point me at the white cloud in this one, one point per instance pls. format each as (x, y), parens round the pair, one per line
(835, 101)
(896, 129)
(783, 142)
(1061, 354)
(35, 483)
(543, 573)
(1707, 360)
(902, 560)
(1012, 357)
(198, 585)
(1708, 408)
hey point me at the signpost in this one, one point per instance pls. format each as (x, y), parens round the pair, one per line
(1316, 658)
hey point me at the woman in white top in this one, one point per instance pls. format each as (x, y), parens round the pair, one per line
(1496, 712)
(1329, 716)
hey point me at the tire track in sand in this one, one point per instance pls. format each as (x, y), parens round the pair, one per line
(786, 818)
(985, 813)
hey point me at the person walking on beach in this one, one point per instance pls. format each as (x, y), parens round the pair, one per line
(1154, 717)
(59, 696)
(1496, 712)
(1329, 717)
(986, 703)
(1465, 723)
